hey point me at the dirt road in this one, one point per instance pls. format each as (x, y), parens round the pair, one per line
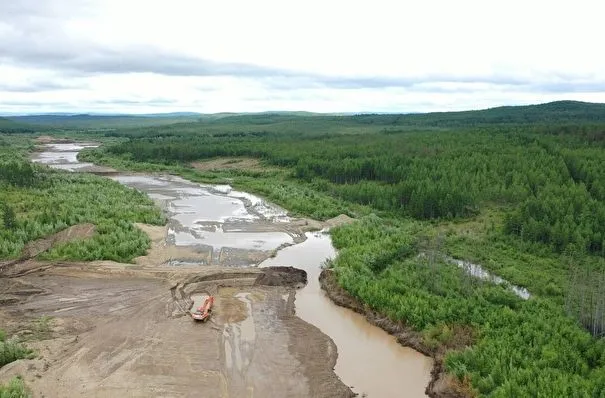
(118, 331)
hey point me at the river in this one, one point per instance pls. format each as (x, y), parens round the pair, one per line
(369, 359)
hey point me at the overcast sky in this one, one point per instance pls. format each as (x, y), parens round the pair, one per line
(141, 56)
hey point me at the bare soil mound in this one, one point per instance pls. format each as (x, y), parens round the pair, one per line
(338, 220)
(79, 231)
(248, 164)
(282, 276)
(47, 139)
(162, 253)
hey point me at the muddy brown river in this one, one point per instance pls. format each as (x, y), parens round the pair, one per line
(369, 359)
(220, 219)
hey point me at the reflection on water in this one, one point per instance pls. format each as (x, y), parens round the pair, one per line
(213, 216)
(63, 156)
(369, 359)
(477, 271)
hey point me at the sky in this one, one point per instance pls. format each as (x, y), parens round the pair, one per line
(135, 56)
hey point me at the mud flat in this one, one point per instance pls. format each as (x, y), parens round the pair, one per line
(215, 219)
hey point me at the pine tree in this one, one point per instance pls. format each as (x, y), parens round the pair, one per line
(8, 217)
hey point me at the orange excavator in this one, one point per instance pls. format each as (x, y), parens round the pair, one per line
(204, 310)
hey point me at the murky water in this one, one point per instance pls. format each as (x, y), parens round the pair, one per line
(205, 215)
(239, 338)
(369, 359)
(478, 272)
(64, 156)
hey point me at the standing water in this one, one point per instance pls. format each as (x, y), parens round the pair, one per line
(64, 156)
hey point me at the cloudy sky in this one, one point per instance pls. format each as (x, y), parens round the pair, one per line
(141, 56)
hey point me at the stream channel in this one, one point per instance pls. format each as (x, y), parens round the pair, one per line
(222, 221)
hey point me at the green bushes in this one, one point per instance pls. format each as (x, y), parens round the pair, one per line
(523, 348)
(11, 350)
(59, 200)
(17, 172)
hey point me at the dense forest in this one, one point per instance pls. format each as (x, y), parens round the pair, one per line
(518, 190)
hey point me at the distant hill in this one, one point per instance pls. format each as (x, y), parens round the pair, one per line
(88, 121)
(260, 117)
(109, 121)
(10, 126)
(552, 112)
(559, 112)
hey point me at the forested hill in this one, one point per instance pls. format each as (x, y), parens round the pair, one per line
(92, 122)
(559, 112)
(9, 126)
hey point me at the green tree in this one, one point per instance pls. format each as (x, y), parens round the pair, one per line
(8, 217)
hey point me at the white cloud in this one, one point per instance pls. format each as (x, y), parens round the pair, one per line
(232, 55)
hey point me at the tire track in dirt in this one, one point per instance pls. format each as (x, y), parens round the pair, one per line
(127, 338)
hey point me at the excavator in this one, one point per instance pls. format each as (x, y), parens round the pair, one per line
(202, 313)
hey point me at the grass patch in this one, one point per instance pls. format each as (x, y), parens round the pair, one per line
(11, 350)
(42, 328)
(14, 389)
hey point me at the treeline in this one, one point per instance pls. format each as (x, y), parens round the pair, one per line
(572, 112)
(553, 181)
(18, 173)
(585, 298)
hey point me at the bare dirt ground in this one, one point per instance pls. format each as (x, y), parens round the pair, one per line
(249, 164)
(161, 252)
(106, 329)
(47, 139)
